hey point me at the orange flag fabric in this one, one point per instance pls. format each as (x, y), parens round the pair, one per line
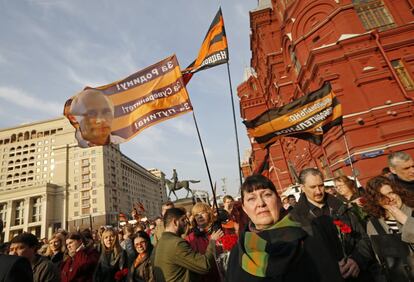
(307, 118)
(115, 113)
(213, 51)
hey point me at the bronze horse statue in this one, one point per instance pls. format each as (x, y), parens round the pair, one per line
(180, 184)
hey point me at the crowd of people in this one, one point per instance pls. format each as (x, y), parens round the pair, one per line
(340, 233)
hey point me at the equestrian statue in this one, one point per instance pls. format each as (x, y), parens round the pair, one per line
(175, 185)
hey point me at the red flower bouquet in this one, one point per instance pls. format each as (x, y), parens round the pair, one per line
(120, 274)
(342, 226)
(228, 241)
(343, 230)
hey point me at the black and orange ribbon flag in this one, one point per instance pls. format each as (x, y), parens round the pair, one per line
(116, 112)
(213, 51)
(307, 118)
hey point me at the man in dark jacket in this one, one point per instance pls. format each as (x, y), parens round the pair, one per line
(316, 211)
(26, 245)
(15, 269)
(401, 166)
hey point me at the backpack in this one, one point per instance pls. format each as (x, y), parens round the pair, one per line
(393, 254)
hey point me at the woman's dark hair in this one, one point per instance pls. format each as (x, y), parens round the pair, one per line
(76, 236)
(227, 197)
(144, 235)
(348, 182)
(374, 196)
(256, 182)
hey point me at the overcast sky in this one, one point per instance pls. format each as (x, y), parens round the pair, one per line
(51, 49)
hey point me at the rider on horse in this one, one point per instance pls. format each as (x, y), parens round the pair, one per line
(175, 179)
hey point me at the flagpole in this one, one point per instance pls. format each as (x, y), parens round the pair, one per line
(349, 154)
(204, 155)
(235, 124)
(275, 168)
(214, 197)
(327, 160)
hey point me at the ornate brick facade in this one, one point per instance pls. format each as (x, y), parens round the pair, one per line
(365, 49)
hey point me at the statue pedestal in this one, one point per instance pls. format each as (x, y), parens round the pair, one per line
(186, 203)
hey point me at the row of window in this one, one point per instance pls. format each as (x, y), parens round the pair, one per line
(135, 174)
(28, 135)
(403, 74)
(39, 143)
(18, 211)
(18, 153)
(84, 153)
(86, 211)
(374, 14)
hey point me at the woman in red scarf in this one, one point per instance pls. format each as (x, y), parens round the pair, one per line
(141, 269)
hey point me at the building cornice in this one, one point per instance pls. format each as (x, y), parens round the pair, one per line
(42, 122)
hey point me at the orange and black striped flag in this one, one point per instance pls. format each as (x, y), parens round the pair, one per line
(115, 113)
(214, 50)
(307, 118)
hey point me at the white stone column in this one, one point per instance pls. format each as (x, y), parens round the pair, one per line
(65, 209)
(26, 213)
(9, 218)
(45, 219)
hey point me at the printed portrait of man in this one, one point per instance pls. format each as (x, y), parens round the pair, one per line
(94, 114)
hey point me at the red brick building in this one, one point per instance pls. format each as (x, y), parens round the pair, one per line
(365, 49)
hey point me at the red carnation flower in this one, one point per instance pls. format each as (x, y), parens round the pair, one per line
(343, 227)
(120, 274)
(338, 223)
(346, 229)
(362, 201)
(228, 241)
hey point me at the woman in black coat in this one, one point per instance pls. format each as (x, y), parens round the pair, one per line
(273, 247)
(113, 262)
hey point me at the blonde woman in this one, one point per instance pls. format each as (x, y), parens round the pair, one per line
(112, 265)
(199, 236)
(56, 249)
